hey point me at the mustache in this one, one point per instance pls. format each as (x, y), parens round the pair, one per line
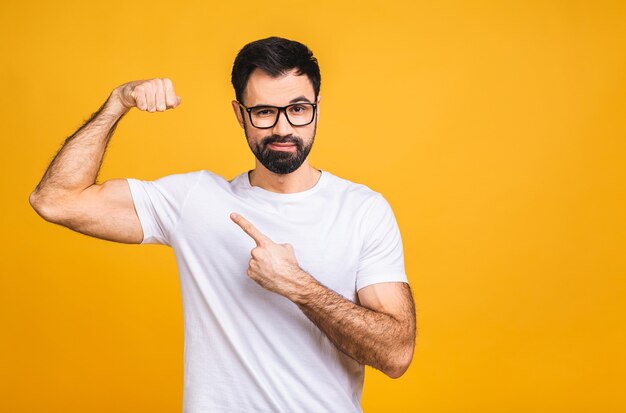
(282, 139)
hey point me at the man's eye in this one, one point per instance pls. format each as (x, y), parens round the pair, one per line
(263, 112)
(298, 109)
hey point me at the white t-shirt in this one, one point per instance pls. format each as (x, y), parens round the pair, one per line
(248, 349)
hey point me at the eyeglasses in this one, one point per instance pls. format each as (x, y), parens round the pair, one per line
(265, 117)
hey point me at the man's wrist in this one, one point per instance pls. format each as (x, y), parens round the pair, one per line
(114, 106)
(306, 287)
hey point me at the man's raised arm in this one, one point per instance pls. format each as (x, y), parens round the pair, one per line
(68, 194)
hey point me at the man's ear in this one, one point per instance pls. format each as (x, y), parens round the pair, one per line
(237, 110)
(319, 97)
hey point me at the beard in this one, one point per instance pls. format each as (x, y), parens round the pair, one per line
(281, 162)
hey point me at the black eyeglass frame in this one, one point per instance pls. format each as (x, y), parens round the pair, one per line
(280, 109)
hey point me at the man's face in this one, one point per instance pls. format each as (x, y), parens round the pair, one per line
(283, 148)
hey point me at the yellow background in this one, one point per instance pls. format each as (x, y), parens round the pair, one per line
(496, 130)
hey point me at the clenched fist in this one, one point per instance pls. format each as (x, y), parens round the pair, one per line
(150, 95)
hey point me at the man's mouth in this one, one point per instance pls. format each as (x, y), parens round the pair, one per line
(281, 146)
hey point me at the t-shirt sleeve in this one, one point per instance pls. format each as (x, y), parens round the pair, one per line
(159, 204)
(382, 255)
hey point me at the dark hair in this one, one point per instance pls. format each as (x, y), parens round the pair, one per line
(276, 56)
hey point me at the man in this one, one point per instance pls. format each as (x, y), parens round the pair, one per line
(292, 278)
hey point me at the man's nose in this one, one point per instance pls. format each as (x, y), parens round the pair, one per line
(282, 127)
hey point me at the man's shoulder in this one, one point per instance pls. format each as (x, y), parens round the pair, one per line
(193, 176)
(178, 176)
(175, 183)
(353, 190)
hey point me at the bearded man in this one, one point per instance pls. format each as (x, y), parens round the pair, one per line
(292, 278)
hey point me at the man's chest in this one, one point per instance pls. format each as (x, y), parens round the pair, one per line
(325, 237)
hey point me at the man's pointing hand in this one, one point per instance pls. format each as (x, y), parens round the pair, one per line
(273, 266)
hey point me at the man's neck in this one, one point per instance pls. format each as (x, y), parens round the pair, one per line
(303, 178)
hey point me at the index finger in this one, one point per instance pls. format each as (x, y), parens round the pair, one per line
(250, 229)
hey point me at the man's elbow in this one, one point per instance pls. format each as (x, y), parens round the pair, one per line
(42, 208)
(400, 364)
(35, 202)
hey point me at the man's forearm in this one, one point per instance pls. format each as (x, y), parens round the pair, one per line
(381, 340)
(367, 336)
(76, 165)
